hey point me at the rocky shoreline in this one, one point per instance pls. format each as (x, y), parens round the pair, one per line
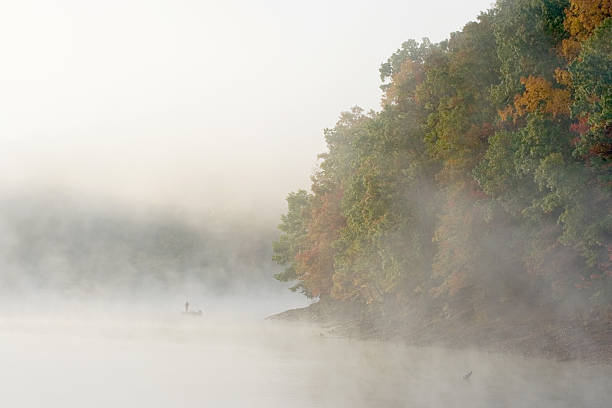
(526, 334)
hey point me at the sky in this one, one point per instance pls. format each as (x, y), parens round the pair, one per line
(201, 106)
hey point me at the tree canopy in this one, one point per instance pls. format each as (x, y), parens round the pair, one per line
(486, 174)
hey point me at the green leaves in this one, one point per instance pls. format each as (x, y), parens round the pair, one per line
(592, 79)
(293, 234)
(437, 195)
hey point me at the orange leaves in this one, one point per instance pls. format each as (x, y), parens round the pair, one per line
(540, 96)
(315, 264)
(403, 82)
(570, 48)
(582, 17)
(563, 77)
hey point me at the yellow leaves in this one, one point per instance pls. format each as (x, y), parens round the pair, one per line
(537, 90)
(563, 77)
(582, 17)
(570, 48)
(540, 96)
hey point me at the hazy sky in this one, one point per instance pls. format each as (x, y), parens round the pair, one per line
(202, 105)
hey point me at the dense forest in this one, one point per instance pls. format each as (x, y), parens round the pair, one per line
(482, 185)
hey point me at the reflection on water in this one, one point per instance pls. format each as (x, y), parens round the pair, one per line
(176, 361)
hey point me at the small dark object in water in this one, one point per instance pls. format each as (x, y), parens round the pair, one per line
(467, 376)
(193, 313)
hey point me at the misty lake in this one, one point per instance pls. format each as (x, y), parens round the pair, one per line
(169, 360)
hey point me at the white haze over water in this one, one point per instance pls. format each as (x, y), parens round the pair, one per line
(146, 148)
(162, 359)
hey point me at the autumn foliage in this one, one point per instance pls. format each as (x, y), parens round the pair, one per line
(540, 96)
(582, 17)
(485, 175)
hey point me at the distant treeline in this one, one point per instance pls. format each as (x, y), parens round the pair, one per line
(49, 241)
(486, 175)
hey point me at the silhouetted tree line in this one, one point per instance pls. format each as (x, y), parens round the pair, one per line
(51, 241)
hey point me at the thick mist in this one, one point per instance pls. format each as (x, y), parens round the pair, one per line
(200, 106)
(146, 151)
(57, 241)
(61, 254)
(159, 360)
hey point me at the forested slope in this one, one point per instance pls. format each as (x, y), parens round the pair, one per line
(482, 188)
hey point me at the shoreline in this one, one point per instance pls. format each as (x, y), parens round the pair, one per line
(561, 340)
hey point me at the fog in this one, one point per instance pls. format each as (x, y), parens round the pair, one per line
(159, 358)
(59, 242)
(73, 332)
(146, 149)
(199, 106)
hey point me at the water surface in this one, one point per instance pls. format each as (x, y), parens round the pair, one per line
(169, 360)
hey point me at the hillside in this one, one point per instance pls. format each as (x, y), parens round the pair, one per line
(476, 204)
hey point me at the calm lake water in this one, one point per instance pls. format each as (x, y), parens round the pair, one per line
(169, 360)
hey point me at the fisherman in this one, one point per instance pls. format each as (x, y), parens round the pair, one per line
(186, 307)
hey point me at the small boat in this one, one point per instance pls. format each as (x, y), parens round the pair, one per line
(193, 313)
